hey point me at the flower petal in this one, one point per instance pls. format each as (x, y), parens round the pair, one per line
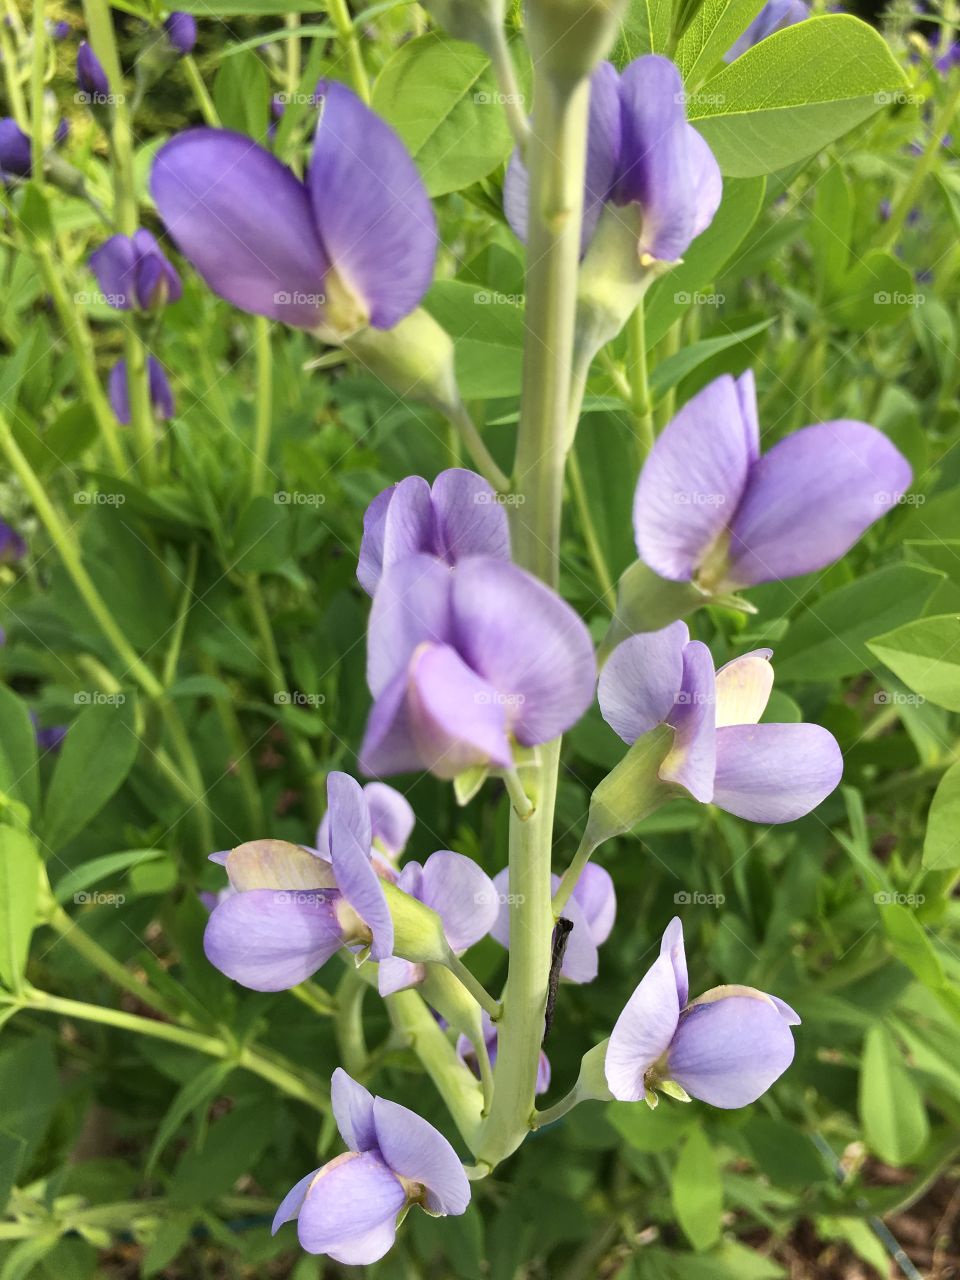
(730, 1052)
(370, 562)
(113, 265)
(411, 607)
(411, 525)
(271, 940)
(458, 720)
(351, 838)
(244, 221)
(775, 772)
(527, 642)
(352, 1107)
(290, 1205)
(469, 519)
(643, 1031)
(811, 497)
(388, 743)
(350, 1211)
(640, 681)
(391, 817)
(743, 688)
(372, 210)
(692, 760)
(413, 1148)
(463, 896)
(692, 481)
(276, 864)
(597, 898)
(394, 974)
(581, 959)
(671, 944)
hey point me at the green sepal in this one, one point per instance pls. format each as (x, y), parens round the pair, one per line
(415, 359)
(417, 929)
(673, 1090)
(631, 791)
(467, 784)
(646, 602)
(592, 1081)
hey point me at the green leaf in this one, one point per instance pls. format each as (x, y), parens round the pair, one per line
(925, 654)
(696, 1191)
(833, 638)
(441, 97)
(262, 539)
(241, 94)
(211, 1170)
(714, 28)
(645, 29)
(19, 778)
(487, 331)
(793, 93)
(941, 844)
(909, 940)
(196, 1093)
(19, 891)
(240, 8)
(97, 755)
(878, 289)
(675, 368)
(97, 869)
(891, 1107)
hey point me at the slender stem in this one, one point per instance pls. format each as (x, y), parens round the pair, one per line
(568, 881)
(347, 33)
(204, 101)
(908, 197)
(589, 530)
(639, 382)
(505, 72)
(14, 90)
(292, 22)
(261, 440)
(522, 804)
(476, 988)
(482, 458)
(315, 998)
(36, 88)
(557, 1111)
(349, 1022)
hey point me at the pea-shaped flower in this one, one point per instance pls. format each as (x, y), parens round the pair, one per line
(15, 152)
(134, 274)
(458, 515)
(162, 403)
(726, 1048)
(181, 31)
(391, 822)
(720, 752)
(12, 545)
(462, 665)
(91, 77)
(349, 1208)
(710, 509)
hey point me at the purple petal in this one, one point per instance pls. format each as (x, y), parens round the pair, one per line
(597, 899)
(370, 563)
(372, 210)
(181, 31)
(161, 397)
(692, 481)
(692, 760)
(457, 718)
(671, 944)
(352, 1107)
(811, 497)
(411, 526)
(394, 974)
(292, 1202)
(271, 940)
(463, 896)
(350, 1211)
(350, 841)
(15, 158)
(500, 929)
(527, 642)
(391, 817)
(640, 681)
(643, 1031)
(775, 772)
(469, 519)
(707, 181)
(729, 1052)
(411, 607)
(388, 743)
(113, 265)
(581, 959)
(244, 221)
(416, 1150)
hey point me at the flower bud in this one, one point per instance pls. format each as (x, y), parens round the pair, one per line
(91, 76)
(181, 31)
(414, 359)
(417, 929)
(14, 151)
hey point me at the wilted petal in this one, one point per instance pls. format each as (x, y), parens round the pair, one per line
(372, 210)
(244, 221)
(352, 1107)
(276, 864)
(271, 940)
(692, 481)
(597, 898)
(775, 772)
(743, 688)
(350, 842)
(457, 718)
(643, 1031)
(469, 519)
(463, 896)
(671, 945)
(527, 642)
(730, 1052)
(811, 497)
(416, 1150)
(640, 681)
(692, 760)
(411, 607)
(350, 1211)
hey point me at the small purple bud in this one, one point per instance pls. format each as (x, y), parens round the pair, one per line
(14, 150)
(58, 30)
(134, 273)
(181, 29)
(12, 546)
(91, 76)
(161, 397)
(62, 132)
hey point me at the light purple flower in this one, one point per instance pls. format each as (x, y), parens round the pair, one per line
(353, 245)
(640, 152)
(774, 16)
(294, 908)
(181, 29)
(91, 76)
(463, 664)
(15, 157)
(134, 274)
(349, 1208)
(468, 1053)
(161, 396)
(726, 1048)
(721, 753)
(461, 894)
(709, 508)
(12, 545)
(391, 822)
(591, 909)
(458, 515)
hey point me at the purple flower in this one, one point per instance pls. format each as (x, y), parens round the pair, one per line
(15, 157)
(468, 1053)
(457, 516)
(161, 397)
(774, 16)
(181, 29)
(641, 154)
(294, 908)
(12, 545)
(391, 822)
(726, 1048)
(721, 753)
(134, 274)
(463, 897)
(91, 76)
(58, 30)
(349, 1208)
(591, 909)
(49, 738)
(463, 664)
(708, 507)
(353, 245)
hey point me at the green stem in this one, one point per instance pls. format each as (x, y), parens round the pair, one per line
(349, 1022)
(347, 33)
(476, 988)
(261, 440)
(482, 458)
(589, 530)
(557, 1111)
(36, 88)
(568, 881)
(292, 22)
(506, 76)
(522, 804)
(639, 382)
(209, 112)
(908, 197)
(14, 90)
